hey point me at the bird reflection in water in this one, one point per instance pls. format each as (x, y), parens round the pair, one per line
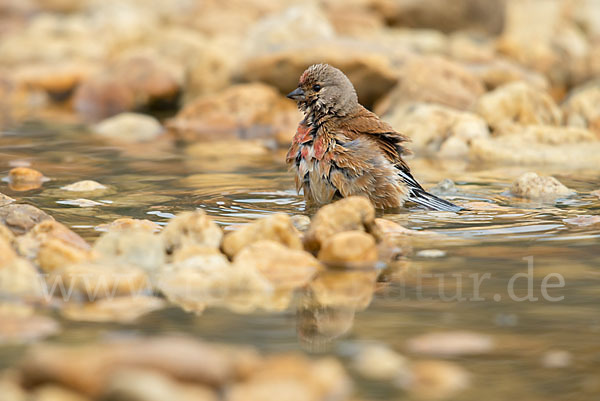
(327, 307)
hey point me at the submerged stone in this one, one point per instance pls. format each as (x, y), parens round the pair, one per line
(379, 362)
(84, 186)
(451, 343)
(24, 179)
(530, 185)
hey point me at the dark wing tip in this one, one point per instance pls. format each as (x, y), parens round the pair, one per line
(432, 202)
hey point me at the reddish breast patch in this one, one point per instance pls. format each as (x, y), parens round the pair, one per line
(320, 148)
(303, 134)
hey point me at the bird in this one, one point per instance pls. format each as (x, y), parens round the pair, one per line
(341, 149)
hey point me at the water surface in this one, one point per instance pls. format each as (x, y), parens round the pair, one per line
(415, 296)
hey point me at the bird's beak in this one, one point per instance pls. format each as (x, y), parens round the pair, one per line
(296, 94)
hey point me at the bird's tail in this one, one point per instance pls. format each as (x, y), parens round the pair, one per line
(418, 195)
(423, 198)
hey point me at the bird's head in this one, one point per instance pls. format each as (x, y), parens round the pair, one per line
(324, 89)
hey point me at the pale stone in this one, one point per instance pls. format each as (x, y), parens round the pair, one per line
(352, 213)
(530, 185)
(518, 102)
(118, 309)
(451, 343)
(129, 127)
(278, 228)
(349, 249)
(84, 186)
(283, 267)
(191, 228)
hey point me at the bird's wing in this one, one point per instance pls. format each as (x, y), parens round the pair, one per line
(391, 142)
(364, 123)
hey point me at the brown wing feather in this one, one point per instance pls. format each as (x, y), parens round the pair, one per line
(391, 142)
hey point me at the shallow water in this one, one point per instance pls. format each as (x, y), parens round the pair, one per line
(417, 295)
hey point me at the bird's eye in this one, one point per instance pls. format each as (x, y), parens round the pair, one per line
(316, 87)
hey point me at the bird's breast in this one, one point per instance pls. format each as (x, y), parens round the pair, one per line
(310, 156)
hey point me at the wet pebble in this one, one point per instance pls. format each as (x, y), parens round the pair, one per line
(596, 193)
(54, 253)
(436, 380)
(126, 223)
(302, 223)
(5, 200)
(30, 243)
(24, 179)
(84, 186)
(201, 276)
(344, 289)
(6, 234)
(19, 279)
(530, 185)
(431, 253)
(137, 247)
(349, 249)
(191, 228)
(283, 267)
(278, 228)
(451, 343)
(379, 362)
(349, 214)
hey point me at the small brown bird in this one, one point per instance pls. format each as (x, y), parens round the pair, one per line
(342, 149)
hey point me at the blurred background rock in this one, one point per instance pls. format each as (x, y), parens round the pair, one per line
(190, 62)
